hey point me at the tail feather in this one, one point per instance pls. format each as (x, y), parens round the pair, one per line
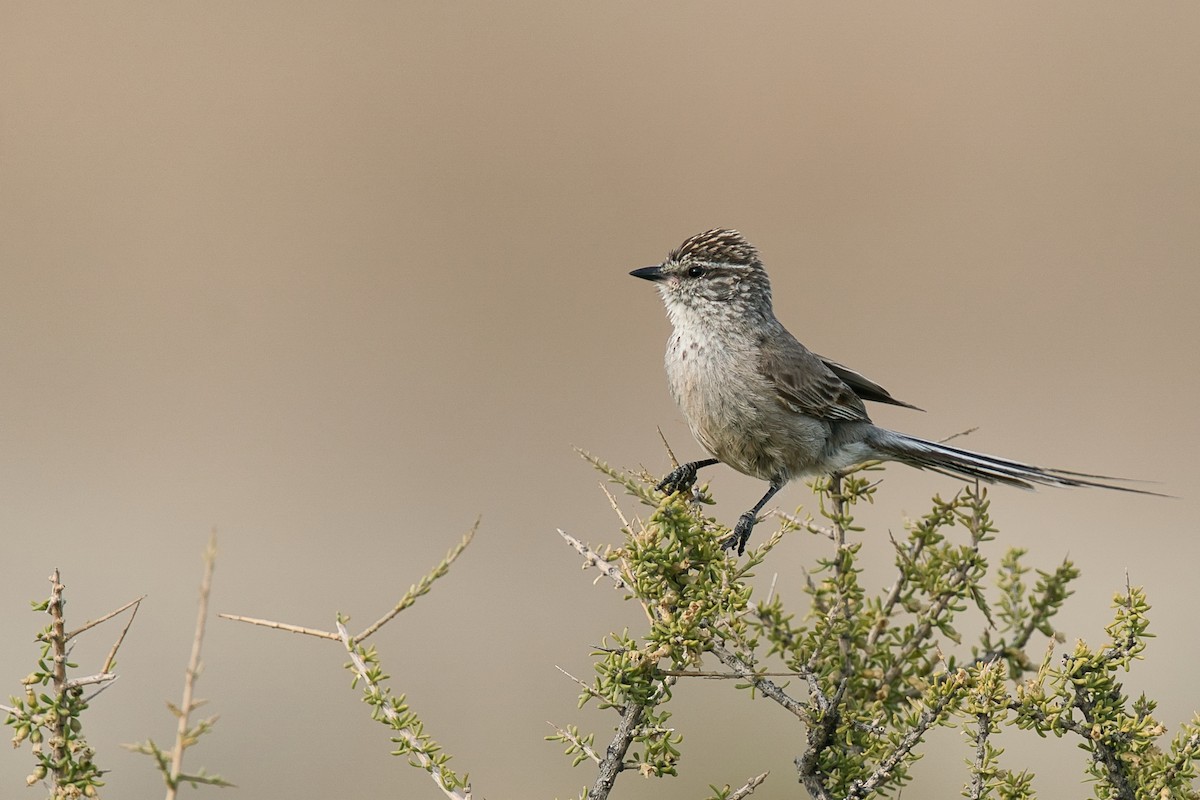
(955, 461)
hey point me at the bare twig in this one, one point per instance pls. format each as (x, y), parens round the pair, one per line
(748, 788)
(101, 677)
(282, 626)
(111, 658)
(183, 736)
(771, 590)
(612, 501)
(954, 436)
(806, 525)
(693, 673)
(607, 568)
(667, 445)
(586, 688)
(94, 622)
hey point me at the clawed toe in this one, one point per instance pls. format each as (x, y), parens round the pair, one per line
(679, 479)
(741, 533)
(683, 476)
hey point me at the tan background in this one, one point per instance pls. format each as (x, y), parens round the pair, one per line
(337, 278)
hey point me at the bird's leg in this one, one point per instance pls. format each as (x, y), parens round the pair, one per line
(745, 524)
(682, 477)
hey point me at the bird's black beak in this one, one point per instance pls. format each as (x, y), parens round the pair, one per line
(649, 273)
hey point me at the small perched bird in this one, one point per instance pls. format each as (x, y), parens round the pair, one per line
(766, 405)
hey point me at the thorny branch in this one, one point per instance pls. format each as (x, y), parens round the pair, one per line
(749, 787)
(883, 770)
(614, 755)
(768, 688)
(932, 613)
(417, 750)
(407, 728)
(183, 736)
(594, 559)
(415, 591)
(978, 779)
(579, 743)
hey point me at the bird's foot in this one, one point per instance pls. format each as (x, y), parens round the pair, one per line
(741, 533)
(679, 479)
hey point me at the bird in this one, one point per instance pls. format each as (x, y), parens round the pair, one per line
(759, 401)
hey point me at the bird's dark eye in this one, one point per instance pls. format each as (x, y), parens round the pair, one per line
(695, 272)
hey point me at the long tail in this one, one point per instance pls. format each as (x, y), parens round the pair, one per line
(954, 461)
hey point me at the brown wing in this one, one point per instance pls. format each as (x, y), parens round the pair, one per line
(863, 386)
(807, 385)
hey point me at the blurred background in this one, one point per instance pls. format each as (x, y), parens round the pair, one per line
(335, 279)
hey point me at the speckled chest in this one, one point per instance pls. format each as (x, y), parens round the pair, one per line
(709, 377)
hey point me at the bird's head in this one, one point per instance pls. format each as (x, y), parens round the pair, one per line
(713, 275)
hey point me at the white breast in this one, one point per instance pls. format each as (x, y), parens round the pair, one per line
(733, 412)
